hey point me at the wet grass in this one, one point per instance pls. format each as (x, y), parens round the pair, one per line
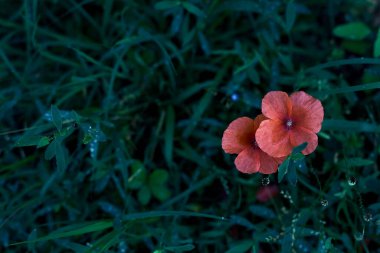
(112, 114)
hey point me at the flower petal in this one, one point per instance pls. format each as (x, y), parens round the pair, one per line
(276, 105)
(268, 164)
(273, 138)
(238, 135)
(307, 111)
(248, 161)
(259, 118)
(299, 135)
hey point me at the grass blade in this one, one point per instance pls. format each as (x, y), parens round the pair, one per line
(157, 214)
(350, 126)
(360, 87)
(73, 230)
(169, 135)
(339, 63)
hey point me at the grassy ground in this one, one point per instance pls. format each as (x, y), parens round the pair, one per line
(112, 114)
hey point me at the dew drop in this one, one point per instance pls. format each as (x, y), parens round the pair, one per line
(367, 217)
(351, 181)
(122, 247)
(265, 181)
(324, 202)
(358, 236)
(234, 97)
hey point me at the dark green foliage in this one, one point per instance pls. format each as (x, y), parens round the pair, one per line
(112, 113)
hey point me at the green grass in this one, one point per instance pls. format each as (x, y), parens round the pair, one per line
(112, 114)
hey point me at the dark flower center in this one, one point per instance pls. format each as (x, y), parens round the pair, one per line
(289, 123)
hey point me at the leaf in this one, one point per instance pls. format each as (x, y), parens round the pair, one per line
(338, 63)
(43, 141)
(356, 162)
(262, 211)
(56, 117)
(359, 47)
(241, 247)
(286, 241)
(193, 9)
(138, 175)
(144, 195)
(164, 5)
(241, 5)
(205, 45)
(361, 87)
(57, 150)
(32, 236)
(290, 17)
(292, 174)
(376, 47)
(283, 169)
(60, 156)
(87, 139)
(180, 248)
(28, 140)
(157, 214)
(50, 151)
(107, 241)
(352, 31)
(158, 177)
(157, 185)
(299, 148)
(169, 135)
(74, 247)
(328, 244)
(73, 230)
(161, 192)
(350, 126)
(235, 219)
(177, 22)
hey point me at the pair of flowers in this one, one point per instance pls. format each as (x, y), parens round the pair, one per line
(264, 142)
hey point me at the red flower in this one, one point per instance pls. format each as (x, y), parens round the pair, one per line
(266, 193)
(291, 121)
(239, 138)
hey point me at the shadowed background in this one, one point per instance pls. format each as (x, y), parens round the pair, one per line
(112, 114)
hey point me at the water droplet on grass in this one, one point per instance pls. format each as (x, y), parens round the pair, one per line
(324, 202)
(358, 236)
(122, 247)
(351, 181)
(234, 97)
(367, 217)
(265, 181)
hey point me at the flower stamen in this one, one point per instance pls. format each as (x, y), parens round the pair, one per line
(289, 124)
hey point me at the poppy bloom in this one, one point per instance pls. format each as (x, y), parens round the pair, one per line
(266, 193)
(239, 138)
(291, 121)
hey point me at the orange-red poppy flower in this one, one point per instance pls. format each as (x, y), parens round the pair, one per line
(239, 138)
(291, 121)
